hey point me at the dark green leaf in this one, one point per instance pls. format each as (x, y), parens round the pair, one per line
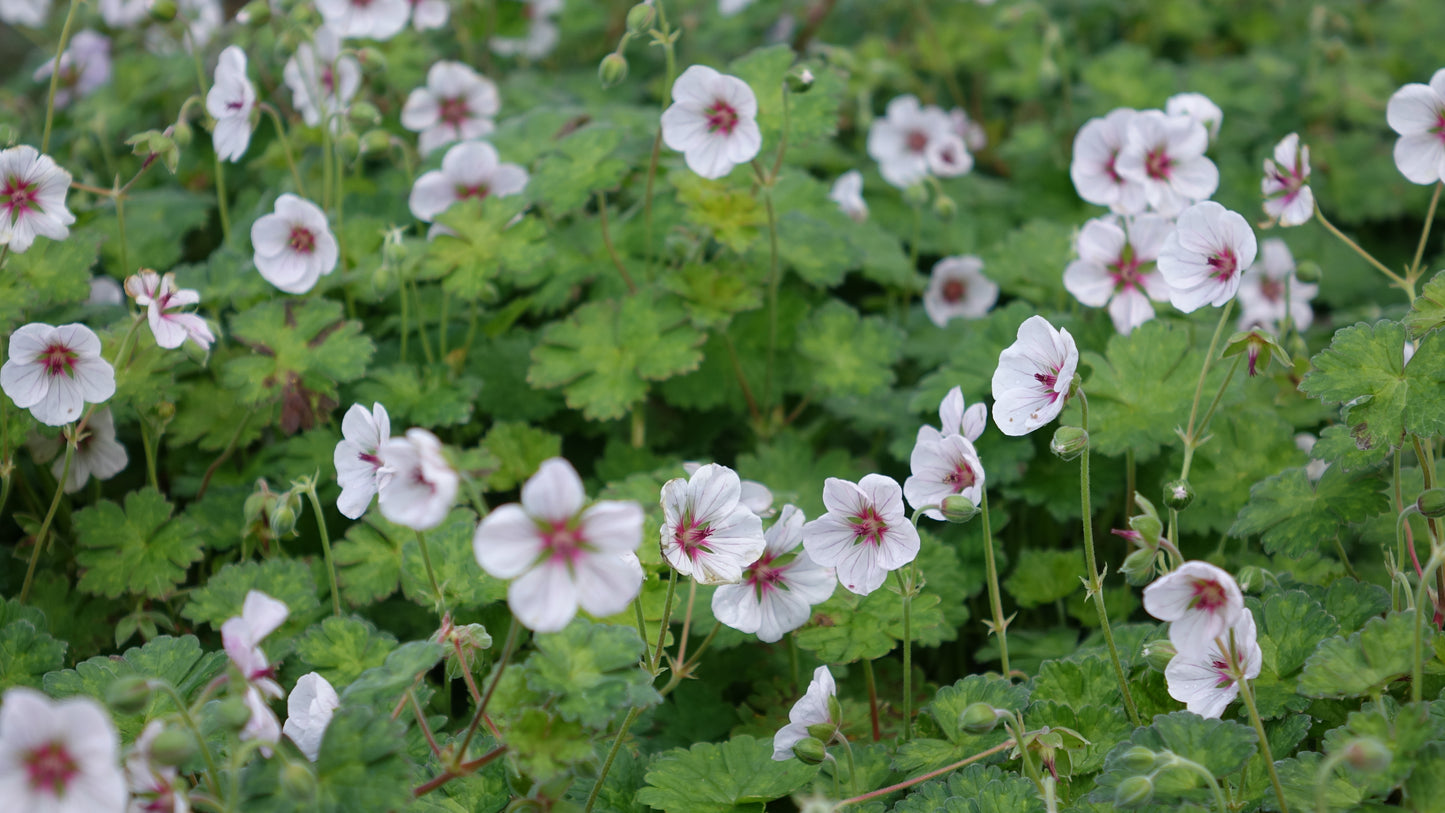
(1366, 661)
(140, 550)
(342, 648)
(721, 778)
(1296, 517)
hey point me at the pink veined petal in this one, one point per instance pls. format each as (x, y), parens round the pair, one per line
(26, 383)
(859, 572)
(842, 497)
(828, 539)
(507, 542)
(168, 332)
(263, 614)
(61, 404)
(781, 612)
(544, 598)
(714, 492)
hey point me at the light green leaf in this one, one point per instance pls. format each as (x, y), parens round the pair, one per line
(564, 180)
(593, 669)
(368, 561)
(1366, 661)
(810, 116)
(463, 583)
(946, 710)
(1221, 746)
(1293, 625)
(489, 243)
(1427, 312)
(286, 580)
(140, 550)
(1044, 576)
(48, 273)
(738, 775)
(422, 394)
(519, 450)
(849, 354)
(1300, 778)
(1136, 389)
(342, 648)
(27, 650)
(382, 685)
(1352, 603)
(1382, 398)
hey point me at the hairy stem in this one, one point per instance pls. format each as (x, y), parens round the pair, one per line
(326, 547)
(49, 516)
(55, 74)
(1000, 626)
(1003, 746)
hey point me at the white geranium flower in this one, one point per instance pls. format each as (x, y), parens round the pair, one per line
(972, 133)
(752, 495)
(84, 66)
(955, 419)
(159, 295)
(469, 170)
(1095, 165)
(865, 533)
(810, 710)
(542, 32)
(1417, 113)
(1262, 290)
(309, 708)
(124, 13)
(1198, 107)
(1165, 154)
(294, 246)
(457, 104)
(55, 371)
(942, 468)
(365, 19)
(562, 553)
(29, 13)
(241, 637)
(322, 80)
(847, 192)
(708, 533)
(429, 14)
(359, 470)
(948, 156)
(423, 485)
(58, 756)
(958, 289)
(1203, 676)
(1116, 268)
(1203, 258)
(32, 198)
(155, 788)
(1033, 377)
(230, 102)
(1200, 602)
(97, 454)
(1288, 198)
(900, 140)
(712, 121)
(778, 591)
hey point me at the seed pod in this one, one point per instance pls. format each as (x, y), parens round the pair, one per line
(958, 508)
(1432, 503)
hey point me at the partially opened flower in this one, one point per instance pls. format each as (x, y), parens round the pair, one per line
(1116, 268)
(1205, 676)
(899, 141)
(1200, 602)
(955, 419)
(1203, 258)
(708, 533)
(423, 485)
(365, 19)
(230, 102)
(1262, 291)
(1417, 113)
(429, 14)
(1198, 107)
(1033, 377)
(154, 787)
(1165, 155)
(1095, 165)
(58, 756)
(1287, 195)
(323, 81)
(778, 591)
(309, 708)
(241, 637)
(97, 454)
(958, 289)
(943, 468)
(865, 533)
(812, 709)
(972, 133)
(263, 726)
(847, 192)
(55, 371)
(357, 458)
(457, 104)
(469, 171)
(32, 198)
(541, 35)
(294, 246)
(84, 66)
(712, 121)
(160, 297)
(562, 553)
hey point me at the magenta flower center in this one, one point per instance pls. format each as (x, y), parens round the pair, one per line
(302, 240)
(764, 576)
(58, 360)
(1125, 270)
(1221, 668)
(1224, 264)
(1439, 128)
(1157, 164)
(328, 79)
(869, 527)
(370, 459)
(961, 477)
(917, 141)
(454, 111)
(691, 536)
(479, 191)
(1209, 595)
(1111, 171)
(563, 541)
(50, 768)
(721, 117)
(17, 196)
(1271, 289)
(954, 290)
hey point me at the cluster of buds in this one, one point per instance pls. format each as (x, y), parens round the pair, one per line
(1146, 537)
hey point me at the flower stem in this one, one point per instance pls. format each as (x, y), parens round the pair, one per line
(1208, 777)
(148, 446)
(1415, 269)
(49, 515)
(1247, 692)
(1422, 596)
(1003, 746)
(627, 721)
(326, 548)
(431, 575)
(55, 75)
(906, 586)
(607, 241)
(872, 699)
(212, 775)
(686, 626)
(662, 628)
(285, 146)
(774, 280)
(1368, 257)
(460, 770)
(1000, 626)
(1192, 433)
(507, 650)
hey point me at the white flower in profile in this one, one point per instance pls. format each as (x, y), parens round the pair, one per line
(423, 485)
(159, 295)
(955, 419)
(294, 246)
(1116, 267)
(1203, 677)
(728, 8)
(1095, 165)
(778, 591)
(241, 637)
(1288, 198)
(55, 371)
(562, 552)
(322, 80)
(707, 532)
(1263, 288)
(957, 289)
(230, 102)
(865, 533)
(1200, 602)
(712, 121)
(29, 13)
(309, 708)
(263, 726)
(972, 133)
(812, 709)
(470, 170)
(752, 495)
(84, 66)
(1198, 107)
(542, 33)
(357, 458)
(943, 467)
(124, 13)
(847, 192)
(457, 104)
(1165, 155)
(365, 19)
(155, 788)
(948, 156)
(97, 454)
(1204, 257)
(1033, 377)
(1417, 113)
(32, 198)
(58, 756)
(427, 15)
(899, 141)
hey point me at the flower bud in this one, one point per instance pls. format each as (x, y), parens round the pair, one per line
(163, 11)
(1159, 653)
(639, 18)
(612, 70)
(915, 195)
(234, 713)
(298, 781)
(1178, 494)
(256, 13)
(129, 695)
(348, 146)
(1249, 578)
(1254, 343)
(1308, 271)
(183, 133)
(1069, 442)
(944, 207)
(822, 732)
(371, 59)
(364, 113)
(375, 141)
(1134, 791)
(978, 718)
(1367, 754)
(810, 751)
(958, 508)
(284, 514)
(173, 746)
(835, 710)
(1139, 566)
(1432, 503)
(800, 79)
(1149, 528)
(1138, 759)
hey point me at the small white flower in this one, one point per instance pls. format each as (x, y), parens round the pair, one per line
(542, 32)
(948, 156)
(778, 591)
(241, 637)
(32, 198)
(423, 485)
(1198, 107)
(1033, 377)
(55, 371)
(958, 289)
(365, 19)
(1095, 165)
(84, 66)
(158, 295)
(309, 708)
(29, 13)
(900, 141)
(58, 756)
(1417, 113)
(1203, 676)
(954, 419)
(294, 246)
(457, 104)
(429, 14)
(322, 80)
(1200, 602)
(1287, 194)
(155, 788)
(1262, 290)
(1165, 154)
(712, 121)
(562, 553)
(708, 533)
(1205, 256)
(810, 710)
(752, 495)
(97, 454)
(942, 468)
(357, 458)
(230, 102)
(124, 13)
(470, 170)
(972, 133)
(1116, 268)
(865, 533)
(847, 192)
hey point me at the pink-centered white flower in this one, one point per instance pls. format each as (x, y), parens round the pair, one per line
(948, 156)
(1116, 268)
(752, 495)
(1198, 107)
(423, 485)
(97, 454)
(469, 171)
(1204, 257)
(778, 591)
(900, 140)
(309, 709)
(541, 35)
(972, 133)
(1033, 377)
(810, 710)
(55, 371)
(1288, 198)
(1205, 677)
(365, 19)
(457, 104)
(957, 289)
(707, 532)
(865, 533)
(1200, 602)
(1095, 165)
(712, 121)
(942, 468)
(561, 552)
(163, 300)
(1165, 155)
(154, 787)
(1417, 113)
(427, 15)
(230, 102)
(294, 246)
(32, 198)
(84, 67)
(847, 192)
(58, 756)
(241, 637)
(323, 81)
(1262, 291)
(357, 458)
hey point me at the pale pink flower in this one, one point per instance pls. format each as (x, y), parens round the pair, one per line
(429, 14)
(84, 67)
(155, 788)
(1116, 268)
(1204, 257)
(309, 709)
(847, 192)
(32, 198)
(1198, 107)
(1165, 154)
(1287, 195)
(708, 533)
(322, 80)
(972, 133)
(58, 756)
(294, 247)
(712, 121)
(55, 371)
(357, 458)
(469, 171)
(423, 485)
(97, 454)
(365, 19)
(1200, 602)
(241, 637)
(899, 141)
(1417, 113)
(1033, 377)
(230, 102)
(948, 156)
(159, 296)
(1262, 290)
(942, 468)
(810, 710)
(457, 104)
(542, 32)
(865, 533)
(1203, 676)
(778, 591)
(263, 726)
(957, 289)
(1095, 165)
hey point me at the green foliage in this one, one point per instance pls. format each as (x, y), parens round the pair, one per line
(592, 671)
(491, 241)
(139, 550)
(384, 684)
(1383, 398)
(519, 450)
(1045, 576)
(1221, 747)
(1364, 662)
(581, 165)
(974, 789)
(462, 582)
(849, 354)
(300, 351)
(286, 580)
(730, 777)
(1292, 625)
(361, 767)
(27, 650)
(342, 648)
(48, 273)
(1295, 517)
(1427, 312)
(1136, 390)
(946, 712)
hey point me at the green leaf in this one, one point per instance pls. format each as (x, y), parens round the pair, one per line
(156, 221)
(738, 775)
(301, 349)
(1404, 731)
(1353, 603)
(593, 669)
(1338, 447)
(140, 550)
(1222, 747)
(545, 745)
(342, 648)
(734, 217)
(946, 710)
(463, 583)
(1365, 662)
(716, 290)
(27, 650)
(1299, 776)
(1027, 261)
(1136, 389)
(361, 768)
(1425, 788)
(810, 116)
(489, 242)
(519, 450)
(849, 354)
(382, 685)
(1078, 681)
(564, 180)
(1382, 398)
(1045, 576)
(1296, 517)
(1103, 726)
(423, 394)
(974, 789)
(849, 627)
(286, 580)
(48, 273)
(368, 561)
(1427, 312)
(1293, 625)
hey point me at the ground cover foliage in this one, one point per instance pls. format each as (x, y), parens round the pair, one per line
(1171, 547)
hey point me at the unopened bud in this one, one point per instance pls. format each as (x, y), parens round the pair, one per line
(958, 508)
(1249, 578)
(284, 514)
(915, 195)
(835, 710)
(1159, 653)
(183, 133)
(1308, 271)
(1178, 494)
(375, 141)
(1138, 759)
(364, 113)
(800, 79)
(612, 70)
(1069, 442)
(129, 695)
(299, 782)
(810, 751)
(944, 207)
(639, 18)
(1149, 528)
(1367, 754)
(1432, 503)
(234, 713)
(822, 732)
(257, 13)
(978, 718)
(163, 11)
(173, 746)
(1139, 566)
(348, 145)
(371, 60)
(1134, 791)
